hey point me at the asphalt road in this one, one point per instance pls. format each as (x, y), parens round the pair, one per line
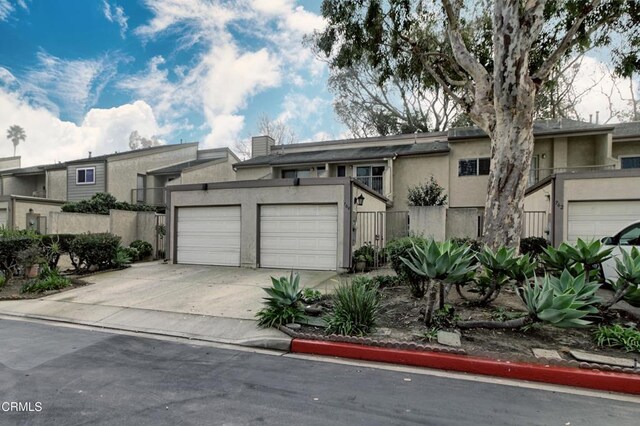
(86, 377)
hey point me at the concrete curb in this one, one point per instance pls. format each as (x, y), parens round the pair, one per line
(567, 376)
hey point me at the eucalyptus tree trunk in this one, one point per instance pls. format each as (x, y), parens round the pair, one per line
(512, 137)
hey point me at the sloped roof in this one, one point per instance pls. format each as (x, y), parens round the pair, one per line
(627, 130)
(134, 151)
(34, 169)
(177, 168)
(347, 154)
(540, 127)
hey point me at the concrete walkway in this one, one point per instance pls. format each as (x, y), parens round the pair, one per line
(211, 303)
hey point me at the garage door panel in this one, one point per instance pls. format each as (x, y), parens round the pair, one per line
(590, 220)
(299, 236)
(209, 235)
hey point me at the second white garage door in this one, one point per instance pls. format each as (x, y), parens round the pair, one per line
(590, 220)
(209, 235)
(301, 236)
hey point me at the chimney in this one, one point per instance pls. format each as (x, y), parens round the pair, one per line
(89, 154)
(261, 145)
(590, 118)
(597, 117)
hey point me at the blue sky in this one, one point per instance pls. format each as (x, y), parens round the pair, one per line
(81, 75)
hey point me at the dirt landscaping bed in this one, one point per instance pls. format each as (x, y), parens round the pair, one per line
(11, 290)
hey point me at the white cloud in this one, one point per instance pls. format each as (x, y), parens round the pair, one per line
(6, 8)
(74, 85)
(116, 14)
(50, 139)
(606, 93)
(300, 107)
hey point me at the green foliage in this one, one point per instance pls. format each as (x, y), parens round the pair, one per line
(589, 254)
(533, 246)
(124, 256)
(499, 263)
(382, 281)
(3, 280)
(584, 256)
(283, 303)
(369, 254)
(101, 203)
(364, 281)
(32, 255)
(523, 269)
(396, 251)
(445, 317)
(556, 260)
(628, 268)
(617, 336)
(473, 244)
(11, 245)
(427, 194)
(561, 301)
(310, 295)
(431, 334)
(632, 297)
(355, 308)
(49, 279)
(98, 250)
(443, 261)
(144, 249)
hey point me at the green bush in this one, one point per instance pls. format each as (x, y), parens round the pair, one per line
(3, 280)
(98, 250)
(54, 246)
(382, 281)
(398, 249)
(125, 256)
(473, 244)
(617, 336)
(310, 295)
(283, 303)
(429, 193)
(365, 281)
(10, 248)
(101, 203)
(369, 254)
(49, 279)
(144, 249)
(533, 246)
(355, 309)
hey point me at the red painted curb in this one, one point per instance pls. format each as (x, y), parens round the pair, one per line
(590, 379)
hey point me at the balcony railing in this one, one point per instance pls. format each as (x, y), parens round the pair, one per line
(373, 182)
(151, 196)
(536, 175)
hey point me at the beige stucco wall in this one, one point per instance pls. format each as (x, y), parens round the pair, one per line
(124, 224)
(216, 171)
(597, 188)
(252, 173)
(624, 149)
(78, 223)
(540, 200)
(249, 200)
(462, 222)
(122, 172)
(146, 228)
(57, 184)
(467, 191)
(21, 208)
(428, 221)
(20, 185)
(411, 171)
(582, 152)
(364, 225)
(8, 163)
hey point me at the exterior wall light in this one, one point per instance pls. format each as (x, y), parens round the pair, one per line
(359, 200)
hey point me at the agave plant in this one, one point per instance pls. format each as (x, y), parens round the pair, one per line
(523, 269)
(497, 267)
(628, 270)
(589, 254)
(283, 303)
(442, 264)
(556, 259)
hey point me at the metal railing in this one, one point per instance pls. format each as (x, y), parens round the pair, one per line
(374, 182)
(536, 175)
(535, 224)
(150, 196)
(376, 229)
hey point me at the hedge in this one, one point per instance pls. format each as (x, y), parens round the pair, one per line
(94, 250)
(101, 203)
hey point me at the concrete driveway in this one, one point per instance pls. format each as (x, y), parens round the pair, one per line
(202, 290)
(210, 303)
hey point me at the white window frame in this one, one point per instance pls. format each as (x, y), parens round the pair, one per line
(85, 175)
(477, 160)
(620, 157)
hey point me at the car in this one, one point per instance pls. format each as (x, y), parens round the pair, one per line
(627, 238)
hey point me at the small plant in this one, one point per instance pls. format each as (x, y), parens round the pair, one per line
(355, 308)
(431, 334)
(382, 281)
(445, 317)
(364, 281)
(144, 249)
(49, 279)
(628, 270)
(473, 244)
(310, 295)
(429, 193)
(283, 303)
(3, 280)
(617, 336)
(124, 256)
(498, 267)
(533, 246)
(396, 251)
(368, 254)
(589, 254)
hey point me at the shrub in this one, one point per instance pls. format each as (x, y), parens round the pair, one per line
(473, 244)
(283, 303)
(355, 308)
(310, 295)
(364, 281)
(144, 249)
(382, 281)
(628, 269)
(533, 246)
(398, 249)
(49, 279)
(12, 243)
(124, 256)
(97, 250)
(369, 254)
(617, 336)
(101, 203)
(427, 194)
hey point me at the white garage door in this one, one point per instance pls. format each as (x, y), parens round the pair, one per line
(209, 235)
(303, 236)
(3, 217)
(596, 219)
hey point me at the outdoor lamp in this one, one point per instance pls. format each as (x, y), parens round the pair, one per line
(359, 200)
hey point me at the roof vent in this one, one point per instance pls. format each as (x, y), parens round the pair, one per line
(89, 154)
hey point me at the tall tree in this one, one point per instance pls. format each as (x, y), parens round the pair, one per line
(496, 56)
(16, 134)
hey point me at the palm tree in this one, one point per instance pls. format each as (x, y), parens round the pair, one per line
(16, 135)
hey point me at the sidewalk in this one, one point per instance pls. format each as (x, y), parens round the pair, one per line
(214, 304)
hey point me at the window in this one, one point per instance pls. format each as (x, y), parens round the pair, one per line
(86, 176)
(342, 171)
(290, 174)
(630, 236)
(474, 167)
(141, 190)
(630, 162)
(322, 171)
(371, 176)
